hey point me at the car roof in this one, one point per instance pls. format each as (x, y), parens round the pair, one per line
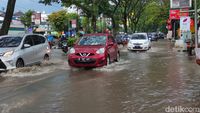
(20, 35)
(10, 36)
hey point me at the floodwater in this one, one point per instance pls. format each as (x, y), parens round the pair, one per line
(142, 82)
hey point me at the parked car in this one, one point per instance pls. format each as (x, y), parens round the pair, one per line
(94, 50)
(153, 36)
(20, 51)
(139, 41)
(122, 39)
(161, 35)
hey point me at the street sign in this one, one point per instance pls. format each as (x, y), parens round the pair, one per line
(185, 23)
(175, 14)
(73, 22)
(178, 4)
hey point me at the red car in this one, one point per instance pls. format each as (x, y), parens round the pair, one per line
(94, 50)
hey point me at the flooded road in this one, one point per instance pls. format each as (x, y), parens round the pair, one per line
(142, 82)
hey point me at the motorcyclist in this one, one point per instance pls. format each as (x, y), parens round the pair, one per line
(190, 45)
(50, 39)
(63, 43)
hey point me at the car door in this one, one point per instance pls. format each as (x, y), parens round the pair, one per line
(28, 53)
(39, 47)
(111, 48)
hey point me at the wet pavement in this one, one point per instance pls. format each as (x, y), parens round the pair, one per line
(142, 82)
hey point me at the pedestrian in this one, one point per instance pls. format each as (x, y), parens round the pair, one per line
(50, 39)
(81, 32)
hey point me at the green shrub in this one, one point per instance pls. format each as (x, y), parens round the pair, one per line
(71, 41)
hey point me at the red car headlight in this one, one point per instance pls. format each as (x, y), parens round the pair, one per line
(100, 51)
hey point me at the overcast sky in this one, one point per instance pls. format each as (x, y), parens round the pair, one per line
(25, 5)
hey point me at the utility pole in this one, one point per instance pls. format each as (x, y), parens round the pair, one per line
(196, 32)
(174, 30)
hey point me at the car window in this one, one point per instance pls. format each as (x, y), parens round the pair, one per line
(28, 40)
(38, 39)
(42, 39)
(138, 37)
(92, 40)
(10, 41)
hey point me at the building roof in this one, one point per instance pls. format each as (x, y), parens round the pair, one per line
(2, 13)
(18, 14)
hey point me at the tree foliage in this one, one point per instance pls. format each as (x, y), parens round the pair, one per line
(58, 20)
(134, 15)
(26, 18)
(61, 20)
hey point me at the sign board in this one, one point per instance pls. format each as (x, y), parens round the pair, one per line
(192, 29)
(185, 23)
(174, 4)
(73, 22)
(36, 18)
(175, 14)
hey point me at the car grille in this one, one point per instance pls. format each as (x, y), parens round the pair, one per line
(137, 43)
(85, 61)
(85, 54)
(2, 65)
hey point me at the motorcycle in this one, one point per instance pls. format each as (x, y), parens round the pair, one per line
(64, 46)
(190, 46)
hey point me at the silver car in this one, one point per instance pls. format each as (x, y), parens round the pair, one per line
(20, 51)
(139, 41)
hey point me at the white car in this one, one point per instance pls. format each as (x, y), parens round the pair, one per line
(19, 51)
(139, 41)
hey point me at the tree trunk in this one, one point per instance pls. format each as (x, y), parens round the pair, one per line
(114, 28)
(94, 21)
(125, 24)
(8, 17)
(135, 27)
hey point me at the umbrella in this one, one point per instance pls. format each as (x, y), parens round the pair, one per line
(40, 30)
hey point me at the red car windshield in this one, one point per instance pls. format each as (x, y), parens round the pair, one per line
(92, 40)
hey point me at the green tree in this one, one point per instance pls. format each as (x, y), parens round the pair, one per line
(120, 11)
(8, 17)
(136, 13)
(58, 20)
(148, 21)
(26, 18)
(89, 7)
(85, 23)
(111, 10)
(71, 16)
(154, 16)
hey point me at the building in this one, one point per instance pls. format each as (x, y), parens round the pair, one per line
(16, 26)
